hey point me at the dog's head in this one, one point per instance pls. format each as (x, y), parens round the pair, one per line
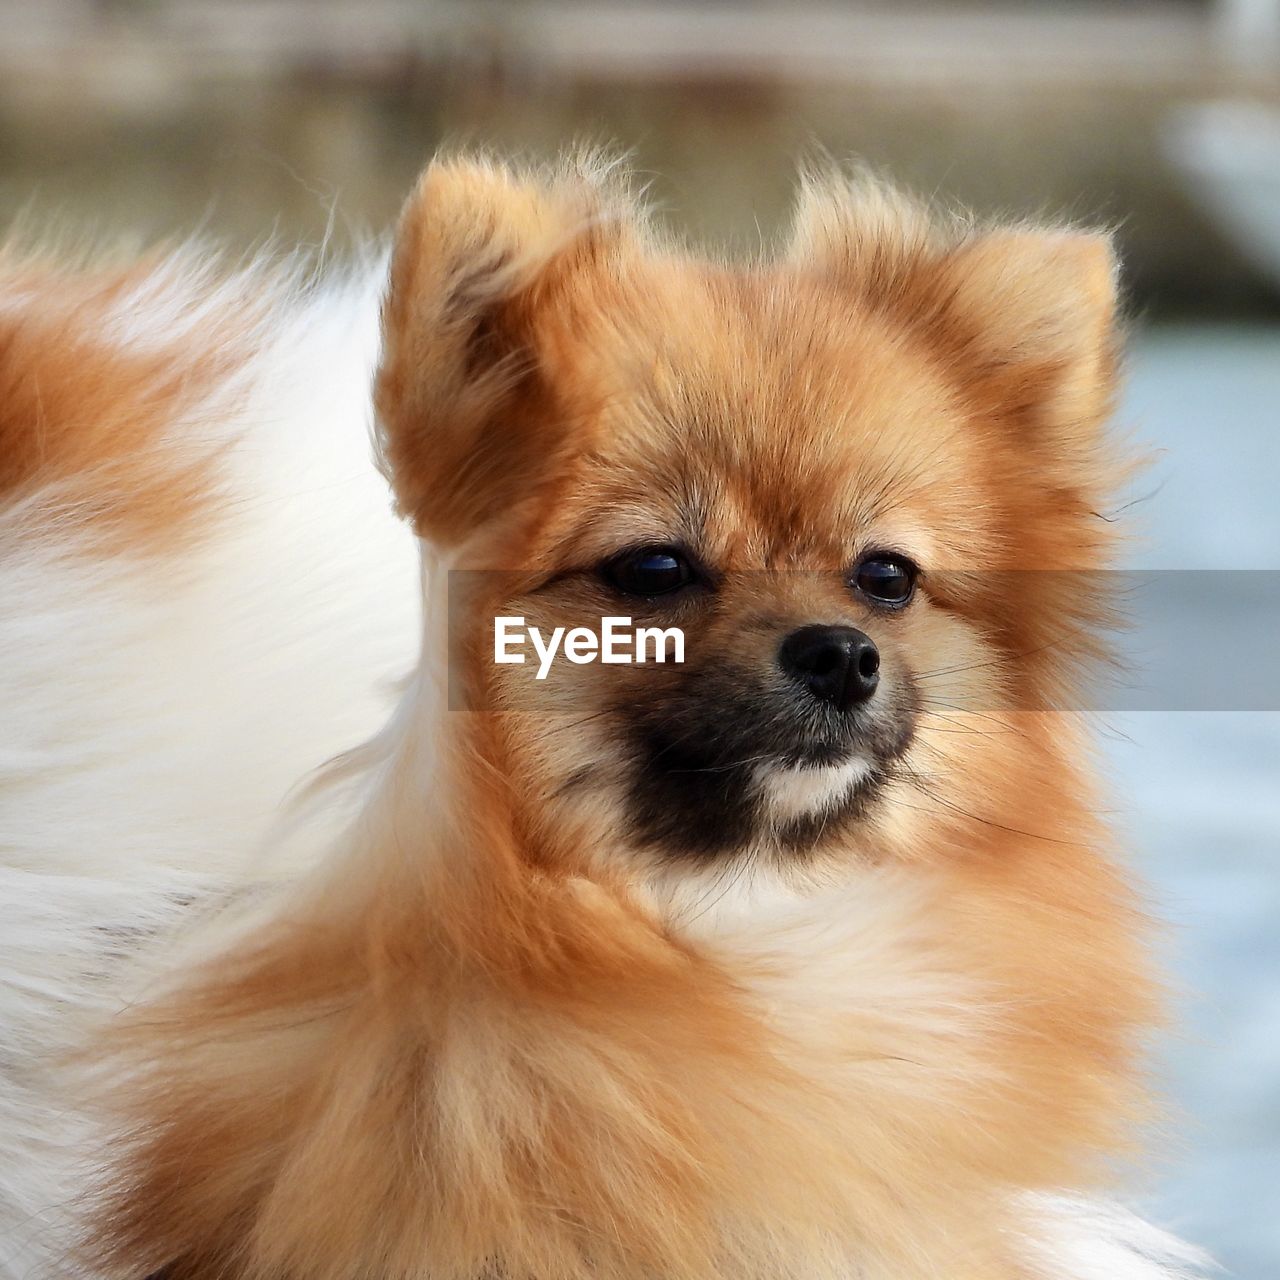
(859, 479)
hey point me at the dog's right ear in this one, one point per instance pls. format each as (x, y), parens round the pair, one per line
(469, 421)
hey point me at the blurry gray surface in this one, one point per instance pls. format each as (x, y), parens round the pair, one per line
(1230, 154)
(1198, 794)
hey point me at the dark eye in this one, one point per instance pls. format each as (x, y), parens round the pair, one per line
(650, 571)
(885, 578)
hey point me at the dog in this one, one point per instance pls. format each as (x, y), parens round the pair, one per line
(808, 956)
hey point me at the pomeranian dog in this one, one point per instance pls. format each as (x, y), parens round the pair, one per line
(803, 958)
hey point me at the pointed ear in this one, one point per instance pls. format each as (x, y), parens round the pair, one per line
(467, 421)
(1026, 317)
(1035, 314)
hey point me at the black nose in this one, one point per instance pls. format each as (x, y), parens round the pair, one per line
(838, 665)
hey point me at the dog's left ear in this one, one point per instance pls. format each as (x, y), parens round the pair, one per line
(468, 419)
(1033, 316)
(1025, 317)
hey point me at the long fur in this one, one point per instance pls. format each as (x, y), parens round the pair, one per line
(450, 1026)
(202, 604)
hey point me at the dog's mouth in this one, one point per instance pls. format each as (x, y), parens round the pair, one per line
(791, 797)
(816, 755)
(708, 791)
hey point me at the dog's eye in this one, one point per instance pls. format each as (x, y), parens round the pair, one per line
(885, 578)
(650, 571)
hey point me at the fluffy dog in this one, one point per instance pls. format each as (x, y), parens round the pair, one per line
(804, 958)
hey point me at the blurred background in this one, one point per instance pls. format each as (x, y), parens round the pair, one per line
(307, 120)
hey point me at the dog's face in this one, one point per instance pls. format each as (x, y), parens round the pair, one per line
(827, 473)
(766, 475)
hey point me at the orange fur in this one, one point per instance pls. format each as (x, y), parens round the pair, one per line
(476, 1045)
(84, 413)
